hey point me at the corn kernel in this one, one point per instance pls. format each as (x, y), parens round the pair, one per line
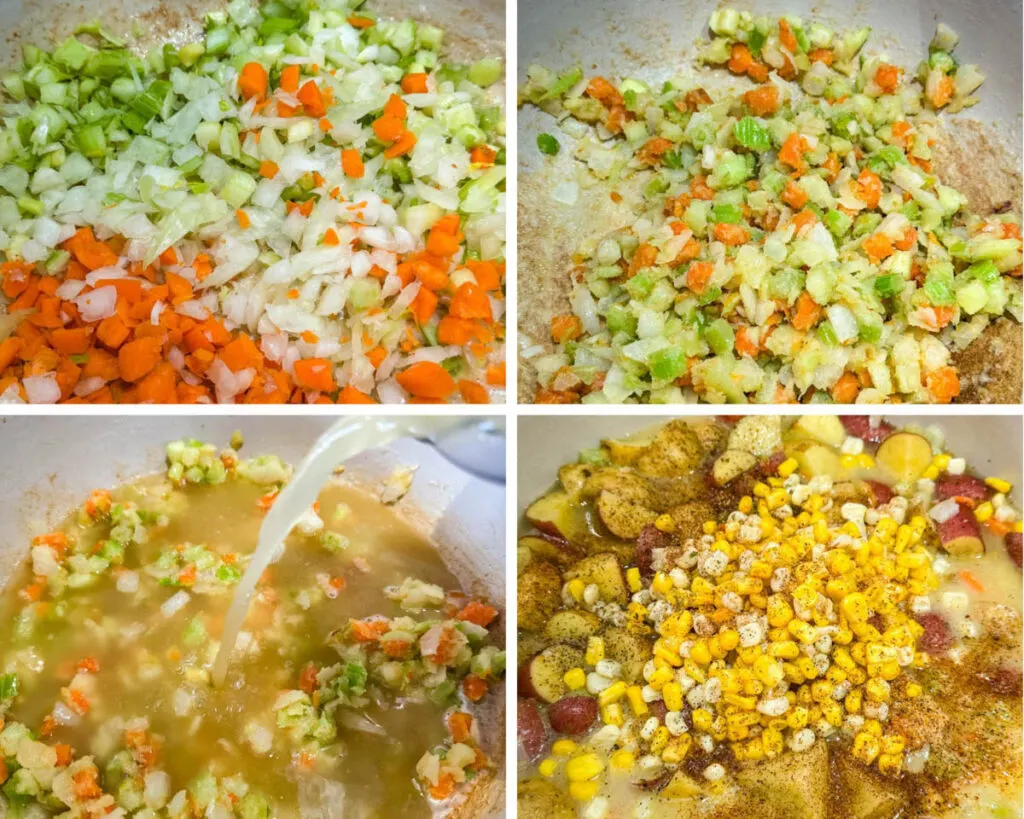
(699, 653)
(702, 720)
(660, 677)
(848, 461)
(563, 747)
(665, 523)
(761, 490)
(575, 588)
(677, 750)
(611, 714)
(999, 485)
(779, 612)
(788, 467)
(709, 527)
(984, 511)
(662, 584)
(583, 791)
(584, 767)
(804, 632)
(728, 639)
(797, 717)
(548, 767)
(890, 763)
(633, 579)
(865, 461)
(623, 760)
(672, 693)
(866, 747)
(931, 472)
(777, 498)
(660, 740)
(613, 693)
(853, 701)
(942, 460)
(575, 678)
(595, 650)
(746, 504)
(636, 700)
(914, 690)
(893, 744)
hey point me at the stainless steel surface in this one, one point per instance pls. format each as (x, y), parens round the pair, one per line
(992, 445)
(51, 465)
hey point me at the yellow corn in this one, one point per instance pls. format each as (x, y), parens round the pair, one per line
(804, 632)
(662, 584)
(623, 760)
(548, 767)
(613, 693)
(866, 747)
(865, 461)
(931, 472)
(890, 764)
(942, 460)
(633, 579)
(914, 690)
(797, 717)
(595, 650)
(746, 504)
(660, 677)
(702, 720)
(984, 511)
(611, 714)
(699, 653)
(584, 767)
(564, 747)
(788, 467)
(853, 701)
(575, 678)
(709, 527)
(777, 498)
(636, 700)
(676, 750)
(660, 740)
(999, 485)
(672, 693)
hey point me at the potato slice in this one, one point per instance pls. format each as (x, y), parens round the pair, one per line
(906, 455)
(760, 435)
(574, 476)
(557, 552)
(539, 594)
(572, 626)
(631, 650)
(603, 571)
(622, 517)
(816, 459)
(553, 514)
(825, 428)
(623, 482)
(541, 676)
(961, 534)
(863, 793)
(675, 450)
(540, 799)
(731, 464)
(689, 518)
(625, 453)
(713, 435)
(790, 785)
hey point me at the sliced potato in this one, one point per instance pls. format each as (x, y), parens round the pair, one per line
(539, 594)
(789, 785)
(760, 435)
(863, 793)
(713, 435)
(574, 476)
(553, 514)
(523, 558)
(681, 786)
(625, 453)
(603, 571)
(816, 459)
(629, 649)
(623, 482)
(541, 676)
(905, 455)
(623, 517)
(557, 552)
(731, 464)
(689, 518)
(541, 799)
(825, 428)
(572, 626)
(675, 450)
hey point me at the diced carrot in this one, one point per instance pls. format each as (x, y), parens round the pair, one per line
(740, 59)
(878, 247)
(460, 725)
(787, 37)
(808, 312)
(70, 341)
(360, 22)
(744, 343)
(86, 784)
(252, 81)
(268, 169)
(159, 386)
(396, 107)
(496, 375)
(423, 305)
(64, 756)
(943, 384)
(700, 189)
(887, 77)
(241, 354)
(444, 788)
(479, 613)
(868, 188)
(762, 101)
(474, 687)
(414, 83)
(803, 219)
(846, 389)
(290, 79)
(425, 379)
(566, 327)
(604, 92)
(9, 348)
(794, 195)
(943, 92)
(698, 274)
(376, 356)
(243, 219)
(350, 395)
(90, 252)
(368, 631)
(821, 55)
(331, 238)
(473, 393)
(793, 150)
(405, 143)
(971, 580)
(352, 163)
(731, 235)
(137, 358)
(315, 374)
(388, 128)
(311, 98)
(307, 678)
(180, 288)
(483, 155)
(470, 302)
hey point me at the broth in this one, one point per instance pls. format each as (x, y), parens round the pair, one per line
(139, 659)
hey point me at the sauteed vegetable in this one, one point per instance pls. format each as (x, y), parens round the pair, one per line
(793, 241)
(809, 618)
(354, 692)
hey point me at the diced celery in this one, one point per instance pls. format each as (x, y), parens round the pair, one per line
(485, 72)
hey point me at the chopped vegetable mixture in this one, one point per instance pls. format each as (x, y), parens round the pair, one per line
(307, 205)
(793, 242)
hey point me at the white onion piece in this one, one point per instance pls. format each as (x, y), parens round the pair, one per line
(42, 389)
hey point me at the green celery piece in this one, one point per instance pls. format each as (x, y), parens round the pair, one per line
(751, 134)
(485, 72)
(73, 54)
(91, 141)
(562, 84)
(668, 364)
(96, 29)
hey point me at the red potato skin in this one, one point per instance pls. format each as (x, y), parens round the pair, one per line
(530, 727)
(1014, 547)
(572, 715)
(859, 426)
(526, 688)
(882, 493)
(770, 465)
(651, 538)
(937, 637)
(962, 524)
(961, 486)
